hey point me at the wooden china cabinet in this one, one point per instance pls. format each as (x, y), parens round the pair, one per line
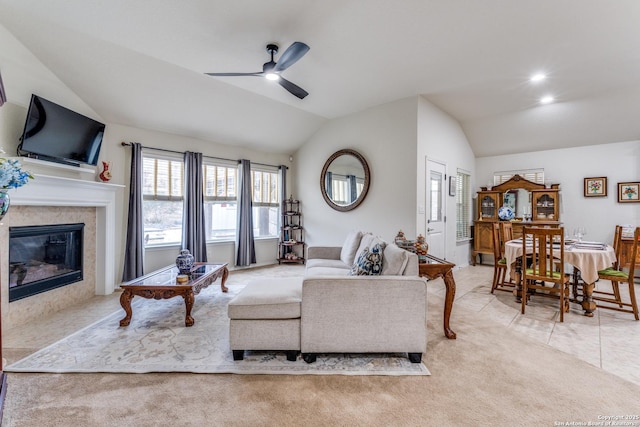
(533, 204)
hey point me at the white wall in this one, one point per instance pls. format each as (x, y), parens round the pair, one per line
(440, 138)
(386, 137)
(23, 74)
(619, 162)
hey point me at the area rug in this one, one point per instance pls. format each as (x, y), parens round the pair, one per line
(157, 341)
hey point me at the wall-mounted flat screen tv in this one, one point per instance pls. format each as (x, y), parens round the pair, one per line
(55, 133)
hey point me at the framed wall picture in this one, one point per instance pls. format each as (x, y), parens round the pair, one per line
(628, 192)
(595, 187)
(452, 185)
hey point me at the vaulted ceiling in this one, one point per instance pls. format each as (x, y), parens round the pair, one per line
(142, 63)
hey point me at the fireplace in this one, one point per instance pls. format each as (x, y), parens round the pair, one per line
(44, 257)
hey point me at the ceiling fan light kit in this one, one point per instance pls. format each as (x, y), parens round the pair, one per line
(272, 70)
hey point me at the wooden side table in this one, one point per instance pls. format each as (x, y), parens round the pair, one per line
(434, 268)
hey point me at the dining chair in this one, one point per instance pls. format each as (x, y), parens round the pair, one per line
(502, 284)
(545, 247)
(499, 261)
(506, 228)
(577, 279)
(622, 271)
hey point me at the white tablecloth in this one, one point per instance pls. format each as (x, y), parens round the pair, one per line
(588, 261)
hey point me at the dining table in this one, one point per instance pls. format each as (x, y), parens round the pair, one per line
(585, 257)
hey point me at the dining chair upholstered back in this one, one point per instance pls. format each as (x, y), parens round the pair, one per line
(622, 271)
(545, 247)
(499, 261)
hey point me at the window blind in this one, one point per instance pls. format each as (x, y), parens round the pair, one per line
(162, 179)
(265, 188)
(220, 182)
(533, 175)
(463, 205)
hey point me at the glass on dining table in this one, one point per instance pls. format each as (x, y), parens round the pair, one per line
(579, 233)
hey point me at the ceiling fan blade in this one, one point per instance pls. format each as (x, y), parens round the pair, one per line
(290, 56)
(260, 73)
(292, 88)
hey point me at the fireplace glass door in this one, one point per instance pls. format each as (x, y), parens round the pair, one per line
(44, 257)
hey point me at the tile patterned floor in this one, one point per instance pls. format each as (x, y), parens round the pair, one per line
(610, 340)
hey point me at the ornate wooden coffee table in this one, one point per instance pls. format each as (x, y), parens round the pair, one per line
(162, 284)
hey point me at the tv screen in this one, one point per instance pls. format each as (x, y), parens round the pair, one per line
(53, 132)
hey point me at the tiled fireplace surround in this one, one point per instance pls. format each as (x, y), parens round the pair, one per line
(56, 200)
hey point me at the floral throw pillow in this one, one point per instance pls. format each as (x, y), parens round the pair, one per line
(369, 262)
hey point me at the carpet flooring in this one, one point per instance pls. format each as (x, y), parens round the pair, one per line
(490, 375)
(158, 341)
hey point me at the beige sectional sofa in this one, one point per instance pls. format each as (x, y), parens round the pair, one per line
(342, 313)
(338, 312)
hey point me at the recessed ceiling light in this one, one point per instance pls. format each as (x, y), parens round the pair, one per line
(546, 99)
(538, 77)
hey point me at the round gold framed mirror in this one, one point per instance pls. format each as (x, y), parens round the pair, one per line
(344, 181)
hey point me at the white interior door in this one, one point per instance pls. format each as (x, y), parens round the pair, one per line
(436, 230)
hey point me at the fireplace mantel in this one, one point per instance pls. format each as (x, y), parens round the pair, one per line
(45, 190)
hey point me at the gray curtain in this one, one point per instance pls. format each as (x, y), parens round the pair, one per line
(3, 95)
(283, 182)
(353, 191)
(329, 184)
(193, 224)
(134, 244)
(246, 250)
(283, 195)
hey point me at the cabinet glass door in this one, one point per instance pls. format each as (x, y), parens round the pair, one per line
(545, 205)
(488, 207)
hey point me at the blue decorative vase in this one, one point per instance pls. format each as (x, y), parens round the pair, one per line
(184, 261)
(506, 213)
(4, 203)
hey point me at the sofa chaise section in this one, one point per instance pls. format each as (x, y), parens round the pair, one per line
(265, 315)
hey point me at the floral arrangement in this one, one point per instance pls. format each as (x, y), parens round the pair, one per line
(12, 175)
(595, 186)
(630, 192)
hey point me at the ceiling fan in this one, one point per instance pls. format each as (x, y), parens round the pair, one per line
(271, 70)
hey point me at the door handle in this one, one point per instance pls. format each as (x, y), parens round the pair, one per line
(430, 229)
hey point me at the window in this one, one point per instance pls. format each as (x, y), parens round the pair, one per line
(339, 189)
(436, 187)
(266, 207)
(463, 206)
(220, 201)
(162, 200)
(345, 188)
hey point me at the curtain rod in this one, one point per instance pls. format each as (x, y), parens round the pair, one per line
(128, 144)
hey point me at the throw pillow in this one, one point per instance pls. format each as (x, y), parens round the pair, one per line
(368, 240)
(369, 262)
(395, 260)
(350, 246)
